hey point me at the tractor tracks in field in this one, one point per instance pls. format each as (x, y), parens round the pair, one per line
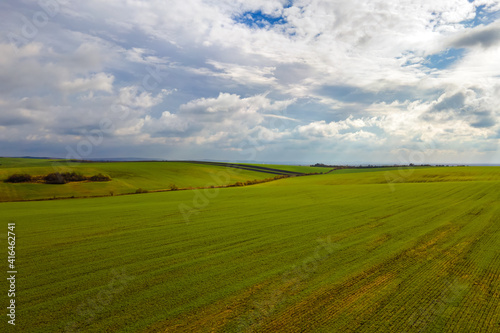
(416, 290)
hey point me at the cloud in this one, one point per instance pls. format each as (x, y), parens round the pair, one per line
(14, 114)
(167, 125)
(350, 129)
(250, 110)
(321, 129)
(245, 74)
(98, 82)
(466, 108)
(454, 102)
(377, 76)
(485, 37)
(484, 120)
(227, 122)
(137, 98)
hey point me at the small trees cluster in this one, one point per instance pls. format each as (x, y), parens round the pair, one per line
(99, 178)
(66, 177)
(56, 178)
(18, 178)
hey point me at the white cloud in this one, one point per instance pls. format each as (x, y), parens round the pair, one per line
(232, 103)
(245, 74)
(97, 82)
(225, 121)
(321, 129)
(167, 125)
(135, 97)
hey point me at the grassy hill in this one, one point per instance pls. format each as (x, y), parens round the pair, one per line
(328, 253)
(127, 177)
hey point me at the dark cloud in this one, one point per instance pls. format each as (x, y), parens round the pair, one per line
(456, 107)
(353, 94)
(484, 123)
(485, 38)
(14, 120)
(483, 119)
(454, 102)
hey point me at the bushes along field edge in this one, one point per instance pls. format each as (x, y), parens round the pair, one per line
(56, 178)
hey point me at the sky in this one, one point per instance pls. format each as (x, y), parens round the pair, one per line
(278, 81)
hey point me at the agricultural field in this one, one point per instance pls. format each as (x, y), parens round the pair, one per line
(384, 250)
(127, 177)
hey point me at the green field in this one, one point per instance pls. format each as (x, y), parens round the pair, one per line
(127, 177)
(294, 168)
(392, 250)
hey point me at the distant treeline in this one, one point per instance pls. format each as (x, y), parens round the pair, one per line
(56, 178)
(369, 166)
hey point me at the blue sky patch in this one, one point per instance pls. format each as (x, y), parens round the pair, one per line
(483, 16)
(258, 19)
(444, 59)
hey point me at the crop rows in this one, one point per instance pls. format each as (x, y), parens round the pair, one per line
(328, 253)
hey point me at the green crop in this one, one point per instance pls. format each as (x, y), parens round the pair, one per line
(392, 250)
